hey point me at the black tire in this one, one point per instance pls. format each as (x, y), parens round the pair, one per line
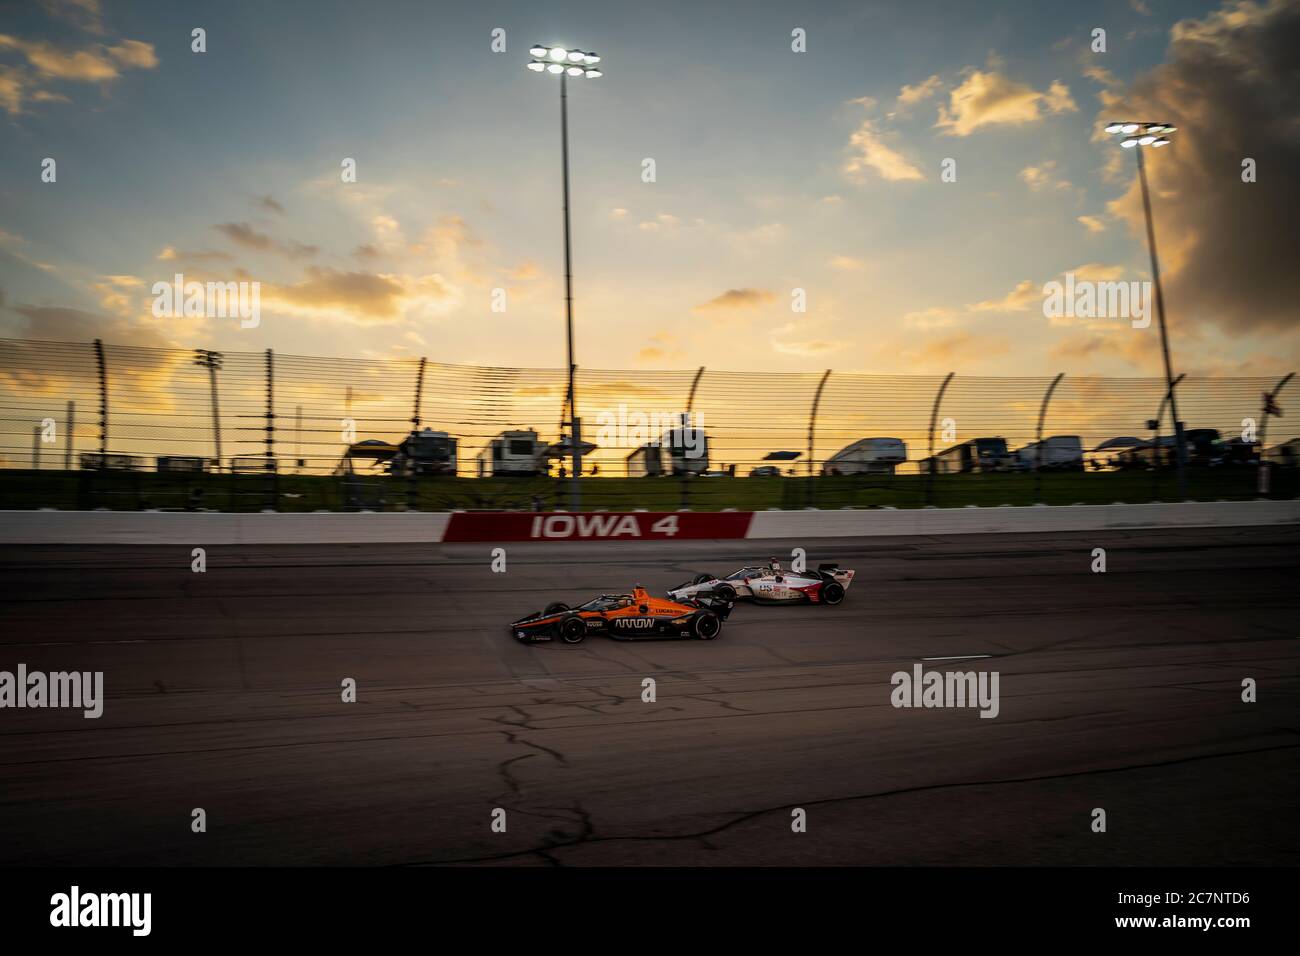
(725, 591)
(573, 630)
(556, 608)
(832, 593)
(701, 579)
(706, 625)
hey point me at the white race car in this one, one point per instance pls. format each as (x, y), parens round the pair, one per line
(769, 584)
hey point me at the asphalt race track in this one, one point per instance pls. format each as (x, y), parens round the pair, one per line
(1119, 690)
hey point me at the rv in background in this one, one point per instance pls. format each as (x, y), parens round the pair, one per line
(978, 454)
(869, 456)
(253, 465)
(511, 454)
(1285, 455)
(679, 451)
(1204, 446)
(182, 463)
(1058, 453)
(95, 461)
(425, 452)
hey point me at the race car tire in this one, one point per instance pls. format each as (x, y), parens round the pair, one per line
(573, 630)
(556, 608)
(725, 591)
(702, 579)
(707, 626)
(832, 593)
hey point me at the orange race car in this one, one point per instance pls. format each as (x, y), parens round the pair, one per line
(627, 617)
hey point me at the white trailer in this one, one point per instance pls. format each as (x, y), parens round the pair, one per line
(867, 456)
(1058, 453)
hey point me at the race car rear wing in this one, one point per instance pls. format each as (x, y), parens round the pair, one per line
(719, 605)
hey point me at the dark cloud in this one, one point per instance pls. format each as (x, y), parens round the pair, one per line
(737, 299)
(242, 234)
(1231, 83)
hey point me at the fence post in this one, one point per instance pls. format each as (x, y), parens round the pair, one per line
(687, 423)
(412, 480)
(67, 438)
(1269, 399)
(1038, 437)
(934, 415)
(1155, 442)
(812, 427)
(103, 397)
(272, 472)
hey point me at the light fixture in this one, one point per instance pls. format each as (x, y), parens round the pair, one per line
(576, 56)
(536, 67)
(1129, 143)
(590, 58)
(555, 68)
(1110, 128)
(575, 71)
(1146, 140)
(538, 51)
(592, 74)
(1129, 128)
(559, 53)
(1161, 142)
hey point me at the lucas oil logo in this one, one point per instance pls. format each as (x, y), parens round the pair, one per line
(638, 622)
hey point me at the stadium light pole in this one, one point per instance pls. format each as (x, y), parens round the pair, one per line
(212, 361)
(562, 62)
(1139, 137)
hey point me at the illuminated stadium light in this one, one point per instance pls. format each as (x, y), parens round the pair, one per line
(1156, 135)
(578, 64)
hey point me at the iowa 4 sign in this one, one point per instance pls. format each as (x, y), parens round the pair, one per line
(600, 526)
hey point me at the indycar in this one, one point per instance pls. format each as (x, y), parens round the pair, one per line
(627, 617)
(771, 585)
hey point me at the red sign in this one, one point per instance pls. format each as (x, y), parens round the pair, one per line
(597, 526)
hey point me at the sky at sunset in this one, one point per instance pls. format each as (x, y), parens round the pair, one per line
(775, 171)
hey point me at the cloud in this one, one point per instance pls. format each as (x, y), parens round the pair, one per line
(1043, 176)
(935, 318)
(1227, 248)
(956, 349)
(662, 221)
(737, 299)
(47, 62)
(362, 297)
(86, 14)
(846, 263)
(909, 96)
(1025, 295)
(988, 98)
(1092, 223)
(872, 153)
(172, 254)
(242, 234)
(270, 204)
